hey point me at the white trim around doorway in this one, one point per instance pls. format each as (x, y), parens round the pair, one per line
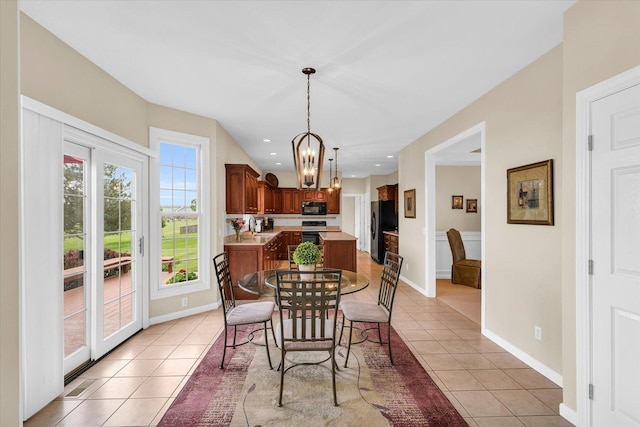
(584, 99)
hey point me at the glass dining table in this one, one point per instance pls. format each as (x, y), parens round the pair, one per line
(263, 282)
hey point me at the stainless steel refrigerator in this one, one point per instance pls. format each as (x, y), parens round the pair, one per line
(383, 218)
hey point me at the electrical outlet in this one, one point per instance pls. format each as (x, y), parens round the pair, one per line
(537, 332)
(406, 266)
(185, 301)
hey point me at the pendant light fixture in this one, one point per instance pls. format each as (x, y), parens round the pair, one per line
(308, 165)
(330, 189)
(335, 182)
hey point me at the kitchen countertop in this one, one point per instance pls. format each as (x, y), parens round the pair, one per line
(391, 232)
(262, 238)
(336, 235)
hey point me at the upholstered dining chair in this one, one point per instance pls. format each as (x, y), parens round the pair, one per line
(310, 324)
(292, 248)
(463, 271)
(379, 313)
(235, 315)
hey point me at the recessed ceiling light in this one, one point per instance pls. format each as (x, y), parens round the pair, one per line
(273, 154)
(389, 156)
(353, 176)
(278, 163)
(377, 164)
(266, 140)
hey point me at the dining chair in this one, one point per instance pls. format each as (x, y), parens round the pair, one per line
(292, 264)
(464, 271)
(379, 313)
(240, 314)
(310, 323)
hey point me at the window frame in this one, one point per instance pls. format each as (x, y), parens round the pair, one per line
(158, 289)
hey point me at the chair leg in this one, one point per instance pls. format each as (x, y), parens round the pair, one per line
(379, 335)
(333, 375)
(224, 349)
(349, 345)
(281, 376)
(389, 341)
(341, 330)
(266, 343)
(235, 328)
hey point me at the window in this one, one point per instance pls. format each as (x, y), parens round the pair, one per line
(180, 247)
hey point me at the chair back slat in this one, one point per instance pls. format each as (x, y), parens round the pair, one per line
(308, 299)
(225, 284)
(389, 279)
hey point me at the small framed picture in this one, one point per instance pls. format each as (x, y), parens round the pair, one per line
(410, 203)
(456, 202)
(472, 205)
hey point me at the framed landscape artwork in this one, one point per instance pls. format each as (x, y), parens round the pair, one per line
(410, 203)
(530, 194)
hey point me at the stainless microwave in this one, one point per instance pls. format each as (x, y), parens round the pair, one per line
(314, 208)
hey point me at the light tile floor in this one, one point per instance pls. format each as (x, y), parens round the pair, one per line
(135, 384)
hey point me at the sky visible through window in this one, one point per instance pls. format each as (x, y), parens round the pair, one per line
(178, 178)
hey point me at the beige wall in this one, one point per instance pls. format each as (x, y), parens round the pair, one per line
(348, 215)
(9, 141)
(457, 180)
(523, 125)
(56, 75)
(601, 39)
(354, 186)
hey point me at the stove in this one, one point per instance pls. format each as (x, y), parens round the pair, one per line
(311, 231)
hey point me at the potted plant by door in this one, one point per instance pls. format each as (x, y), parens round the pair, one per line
(306, 256)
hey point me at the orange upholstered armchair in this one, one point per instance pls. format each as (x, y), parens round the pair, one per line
(463, 271)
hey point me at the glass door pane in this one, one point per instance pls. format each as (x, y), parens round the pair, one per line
(119, 248)
(75, 269)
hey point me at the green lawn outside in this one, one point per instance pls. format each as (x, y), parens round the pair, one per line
(185, 250)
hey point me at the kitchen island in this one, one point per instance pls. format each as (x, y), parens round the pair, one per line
(264, 251)
(339, 250)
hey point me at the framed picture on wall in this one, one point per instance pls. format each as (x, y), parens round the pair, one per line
(456, 202)
(530, 194)
(472, 205)
(410, 203)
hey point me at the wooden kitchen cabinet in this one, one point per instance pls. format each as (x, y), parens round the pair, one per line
(266, 199)
(241, 189)
(389, 192)
(391, 242)
(291, 201)
(340, 254)
(333, 202)
(243, 260)
(314, 195)
(277, 200)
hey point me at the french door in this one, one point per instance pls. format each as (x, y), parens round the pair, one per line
(103, 252)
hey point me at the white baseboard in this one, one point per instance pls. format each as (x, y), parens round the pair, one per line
(534, 363)
(569, 414)
(413, 285)
(443, 274)
(182, 313)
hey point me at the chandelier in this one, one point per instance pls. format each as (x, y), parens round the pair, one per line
(308, 166)
(334, 181)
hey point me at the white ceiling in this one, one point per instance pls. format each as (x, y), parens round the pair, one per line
(387, 71)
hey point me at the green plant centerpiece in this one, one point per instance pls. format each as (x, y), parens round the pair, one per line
(307, 254)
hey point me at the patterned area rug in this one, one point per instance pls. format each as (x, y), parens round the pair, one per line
(371, 391)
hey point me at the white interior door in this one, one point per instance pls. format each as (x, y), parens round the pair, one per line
(615, 247)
